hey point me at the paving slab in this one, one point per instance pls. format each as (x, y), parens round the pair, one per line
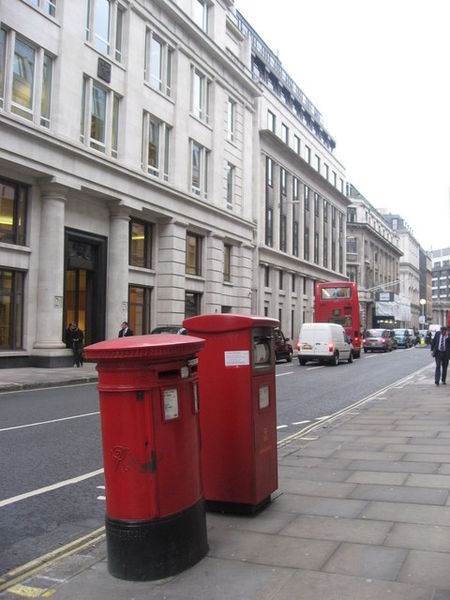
(419, 537)
(338, 529)
(398, 493)
(374, 562)
(309, 585)
(394, 467)
(427, 568)
(377, 477)
(407, 513)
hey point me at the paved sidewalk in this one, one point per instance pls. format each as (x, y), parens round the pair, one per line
(362, 513)
(34, 377)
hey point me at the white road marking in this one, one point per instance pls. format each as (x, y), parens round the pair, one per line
(50, 488)
(322, 418)
(282, 374)
(282, 426)
(48, 422)
(300, 422)
(101, 497)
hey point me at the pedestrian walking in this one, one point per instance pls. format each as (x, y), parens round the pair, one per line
(440, 350)
(125, 331)
(74, 341)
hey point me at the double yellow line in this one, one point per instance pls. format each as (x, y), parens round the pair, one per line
(29, 569)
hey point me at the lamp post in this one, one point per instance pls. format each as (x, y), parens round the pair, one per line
(422, 303)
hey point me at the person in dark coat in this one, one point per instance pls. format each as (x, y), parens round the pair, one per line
(125, 331)
(440, 350)
(74, 341)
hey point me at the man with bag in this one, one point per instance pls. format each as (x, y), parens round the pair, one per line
(440, 350)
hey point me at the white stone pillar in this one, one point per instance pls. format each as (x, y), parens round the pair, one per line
(117, 282)
(170, 300)
(50, 287)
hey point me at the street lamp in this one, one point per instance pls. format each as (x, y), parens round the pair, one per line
(422, 303)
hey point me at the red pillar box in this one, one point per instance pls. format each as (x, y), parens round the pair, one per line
(155, 515)
(238, 410)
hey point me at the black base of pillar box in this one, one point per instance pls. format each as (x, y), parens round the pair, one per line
(149, 550)
(236, 508)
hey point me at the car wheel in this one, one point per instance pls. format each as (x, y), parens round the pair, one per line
(302, 361)
(365, 351)
(289, 357)
(385, 350)
(335, 359)
(350, 358)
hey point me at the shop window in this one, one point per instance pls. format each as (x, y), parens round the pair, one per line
(11, 309)
(139, 303)
(193, 254)
(13, 208)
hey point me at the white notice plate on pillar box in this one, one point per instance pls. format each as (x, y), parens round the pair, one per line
(263, 396)
(237, 358)
(170, 404)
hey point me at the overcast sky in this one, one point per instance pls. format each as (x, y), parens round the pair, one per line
(378, 71)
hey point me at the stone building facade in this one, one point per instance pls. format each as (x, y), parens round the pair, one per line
(134, 174)
(373, 254)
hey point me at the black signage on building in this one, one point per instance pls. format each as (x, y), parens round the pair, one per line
(104, 70)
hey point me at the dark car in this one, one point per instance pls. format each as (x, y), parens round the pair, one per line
(377, 340)
(177, 329)
(403, 338)
(283, 349)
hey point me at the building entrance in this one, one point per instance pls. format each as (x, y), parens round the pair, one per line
(85, 284)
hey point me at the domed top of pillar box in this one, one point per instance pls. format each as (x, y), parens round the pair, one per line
(221, 323)
(153, 348)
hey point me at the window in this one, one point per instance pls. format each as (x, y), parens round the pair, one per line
(285, 133)
(192, 304)
(13, 210)
(2, 65)
(306, 196)
(158, 63)
(326, 171)
(227, 262)
(231, 120)
(230, 186)
(280, 279)
(297, 144)
(316, 248)
(104, 24)
(352, 245)
(99, 118)
(139, 303)
(193, 254)
(11, 309)
(334, 179)
(29, 67)
(351, 214)
(325, 252)
(266, 276)
(269, 172)
(47, 6)
(306, 244)
(140, 244)
(155, 147)
(283, 181)
(307, 154)
(317, 163)
(271, 121)
(293, 280)
(200, 14)
(325, 211)
(200, 95)
(316, 204)
(199, 170)
(269, 226)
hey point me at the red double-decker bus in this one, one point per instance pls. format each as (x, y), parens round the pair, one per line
(337, 302)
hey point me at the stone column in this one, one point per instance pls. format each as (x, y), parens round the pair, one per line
(50, 287)
(117, 284)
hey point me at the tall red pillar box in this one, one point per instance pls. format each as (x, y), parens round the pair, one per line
(238, 410)
(155, 512)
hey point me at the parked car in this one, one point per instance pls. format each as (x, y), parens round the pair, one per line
(177, 329)
(377, 340)
(283, 349)
(393, 339)
(414, 337)
(324, 342)
(403, 338)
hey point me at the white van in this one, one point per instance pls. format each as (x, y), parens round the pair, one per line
(433, 328)
(326, 342)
